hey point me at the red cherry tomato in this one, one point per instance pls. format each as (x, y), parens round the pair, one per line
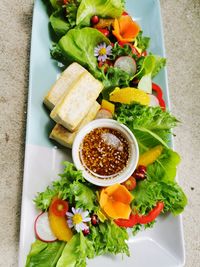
(130, 184)
(60, 207)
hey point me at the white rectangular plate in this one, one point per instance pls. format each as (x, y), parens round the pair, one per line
(161, 246)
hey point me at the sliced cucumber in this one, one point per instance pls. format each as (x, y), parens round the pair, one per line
(126, 64)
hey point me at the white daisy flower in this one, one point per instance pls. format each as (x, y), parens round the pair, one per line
(78, 219)
(102, 51)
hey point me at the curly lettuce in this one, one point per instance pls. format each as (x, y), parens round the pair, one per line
(71, 186)
(150, 125)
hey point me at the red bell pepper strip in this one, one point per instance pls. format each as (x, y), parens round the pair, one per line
(141, 219)
(159, 95)
(153, 214)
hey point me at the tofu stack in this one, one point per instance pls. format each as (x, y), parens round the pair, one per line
(72, 101)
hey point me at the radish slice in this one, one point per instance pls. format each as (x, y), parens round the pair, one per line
(104, 114)
(153, 101)
(126, 64)
(42, 228)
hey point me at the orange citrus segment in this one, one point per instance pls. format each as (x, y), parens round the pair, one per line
(129, 95)
(59, 225)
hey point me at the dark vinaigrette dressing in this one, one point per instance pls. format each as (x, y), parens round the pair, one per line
(105, 151)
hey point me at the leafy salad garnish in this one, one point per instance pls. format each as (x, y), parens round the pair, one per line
(150, 125)
(82, 219)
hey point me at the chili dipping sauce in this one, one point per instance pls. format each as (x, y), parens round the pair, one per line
(105, 151)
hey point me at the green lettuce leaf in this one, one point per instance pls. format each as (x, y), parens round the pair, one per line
(75, 253)
(158, 65)
(78, 45)
(102, 8)
(107, 238)
(149, 192)
(160, 186)
(44, 254)
(56, 5)
(142, 41)
(164, 168)
(71, 186)
(150, 125)
(84, 196)
(114, 77)
(149, 67)
(59, 23)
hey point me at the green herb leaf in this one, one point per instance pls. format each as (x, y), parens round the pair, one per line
(142, 41)
(71, 11)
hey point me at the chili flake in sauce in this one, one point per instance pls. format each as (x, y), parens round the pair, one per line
(105, 151)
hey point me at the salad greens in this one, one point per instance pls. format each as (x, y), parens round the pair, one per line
(59, 23)
(149, 68)
(44, 254)
(160, 186)
(142, 41)
(71, 11)
(72, 186)
(105, 238)
(165, 166)
(105, 8)
(78, 45)
(150, 125)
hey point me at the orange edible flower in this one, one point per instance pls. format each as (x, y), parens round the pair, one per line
(115, 201)
(125, 29)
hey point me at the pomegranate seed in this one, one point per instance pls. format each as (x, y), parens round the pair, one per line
(94, 20)
(142, 168)
(94, 220)
(86, 231)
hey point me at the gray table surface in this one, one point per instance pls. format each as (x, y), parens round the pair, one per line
(181, 20)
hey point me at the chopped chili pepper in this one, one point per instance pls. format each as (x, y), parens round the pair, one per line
(143, 219)
(60, 207)
(124, 13)
(159, 95)
(104, 32)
